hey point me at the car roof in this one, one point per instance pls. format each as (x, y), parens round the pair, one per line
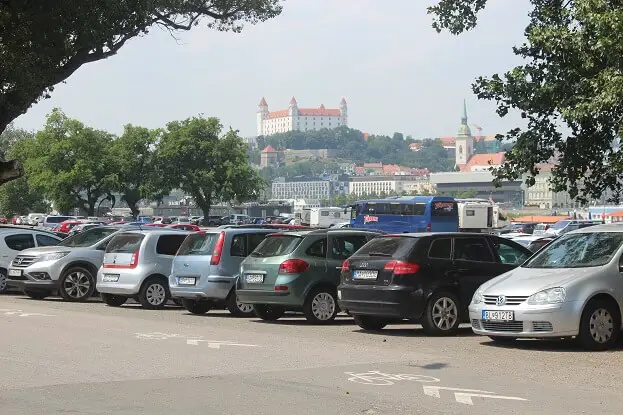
(21, 227)
(608, 227)
(156, 231)
(431, 234)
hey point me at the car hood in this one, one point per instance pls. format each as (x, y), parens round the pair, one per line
(46, 250)
(527, 281)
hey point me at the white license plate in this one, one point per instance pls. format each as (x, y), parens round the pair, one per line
(254, 278)
(498, 315)
(365, 275)
(15, 272)
(110, 278)
(186, 280)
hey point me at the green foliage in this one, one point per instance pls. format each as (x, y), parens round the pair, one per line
(134, 155)
(569, 91)
(352, 146)
(70, 163)
(44, 42)
(10, 136)
(207, 164)
(304, 168)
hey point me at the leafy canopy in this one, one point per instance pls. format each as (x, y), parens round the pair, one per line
(569, 91)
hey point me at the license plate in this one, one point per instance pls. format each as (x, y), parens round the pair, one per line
(365, 275)
(186, 280)
(498, 315)
(15, 272)
(254, 278)
(110, 278)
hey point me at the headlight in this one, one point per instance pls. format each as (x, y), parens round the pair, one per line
(52, 257)
(477, 298)
(551, 296)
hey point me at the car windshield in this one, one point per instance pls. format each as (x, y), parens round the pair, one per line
(387, 246)
(88, 237)
(198, 244)
(277, 245)
(561, 224)
(578, 251)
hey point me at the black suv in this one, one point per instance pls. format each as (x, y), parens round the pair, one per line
(428, 278)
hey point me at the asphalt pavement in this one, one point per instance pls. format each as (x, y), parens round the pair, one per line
(89, 358)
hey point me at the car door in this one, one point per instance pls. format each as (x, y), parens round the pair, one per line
(341, 247)
(474, 264)
(441, 270)
(508, 254)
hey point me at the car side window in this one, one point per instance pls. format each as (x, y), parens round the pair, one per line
(472, 249)
(318, 249)
(19, 242)
(45, 240)
(346, 245)
(237, 247)
(508, 254)
(440, 249)
(254, 239)
(169, 244)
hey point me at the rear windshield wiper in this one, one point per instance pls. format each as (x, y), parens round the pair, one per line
(257, 254)
(379, 254)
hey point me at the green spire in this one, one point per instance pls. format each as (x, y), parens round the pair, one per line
(464, 118)
(464, 130)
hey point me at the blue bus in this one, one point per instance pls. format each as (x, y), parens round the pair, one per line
(407, 214)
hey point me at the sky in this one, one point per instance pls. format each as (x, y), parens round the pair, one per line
(395, 71)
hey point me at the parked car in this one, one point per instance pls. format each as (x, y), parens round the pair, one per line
(571, 288)
(13, 241)
(298, 271)
(564, 226)
(137, 265)
(540, 229)
(185, 227)
(53, 221)
(69, 267)
(428, 278)
(533, 243)
(206, 268)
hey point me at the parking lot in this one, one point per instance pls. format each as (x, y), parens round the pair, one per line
(89, 358)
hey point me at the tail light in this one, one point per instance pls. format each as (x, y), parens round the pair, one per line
(402, 267)
(345, 266)
(218, 249)
(428, 228)
(293, 266)
(134, 260)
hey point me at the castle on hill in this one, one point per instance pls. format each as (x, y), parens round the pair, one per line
(299, 119)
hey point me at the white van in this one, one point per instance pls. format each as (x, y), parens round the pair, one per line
(237, 218)
(327, 216)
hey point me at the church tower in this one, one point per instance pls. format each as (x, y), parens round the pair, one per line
(464, 140)
(262, 114)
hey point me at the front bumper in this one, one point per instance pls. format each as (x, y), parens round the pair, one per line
(383, 301)
(530, 321)
(33, 285)
(212, 287)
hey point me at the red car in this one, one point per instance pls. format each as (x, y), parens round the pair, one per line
(185, 227)
(3, 219)
(66, 226)
(157, 225)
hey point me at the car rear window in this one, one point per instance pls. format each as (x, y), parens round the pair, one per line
(125, 243)
(57, 219)
(198, 244)
(169, 244)
(388, 246)
(277, 245)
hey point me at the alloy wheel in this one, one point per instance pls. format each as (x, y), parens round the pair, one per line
(77, 285)
(445, 313)
(3, 283)
(244, 307)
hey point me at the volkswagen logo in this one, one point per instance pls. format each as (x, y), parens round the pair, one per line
(501, 300)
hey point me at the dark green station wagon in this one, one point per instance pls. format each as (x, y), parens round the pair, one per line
(298, 271)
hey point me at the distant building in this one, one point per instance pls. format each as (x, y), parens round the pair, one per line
(309, 189)
(269, 157)
(541, 194)
(299, 119)
(398, 184)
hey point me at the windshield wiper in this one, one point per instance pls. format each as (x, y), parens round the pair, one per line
(383, 254)
(257, 254)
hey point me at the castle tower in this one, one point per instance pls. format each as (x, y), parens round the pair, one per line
(262, 114)
(464, 140)
(344, 111)
(293, 115)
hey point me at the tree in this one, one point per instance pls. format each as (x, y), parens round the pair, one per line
(138, 178)
(571, 78)
(45, 42)
(71, 164)
(207, 164)
(10, 136)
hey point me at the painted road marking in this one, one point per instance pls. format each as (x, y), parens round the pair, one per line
(190, 340)
(21, 313)
(216, 344)
(378, 378)
(465, 395)
(158, 336)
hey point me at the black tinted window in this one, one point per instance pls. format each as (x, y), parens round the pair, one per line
(238, 247)
(345, 245)
(198, 244)
(88, 237)
(19, 242)
(376, 208)
(254, 240)
(390, 246)
(57, 219)
(472, 249)
(440, 248)
(318, 249)
(277, 245)
(169, 244)
(45, 240)
(125, 243)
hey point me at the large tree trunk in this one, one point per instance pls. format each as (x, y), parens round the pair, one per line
(134, 209)
(10, 170)
(205, 208)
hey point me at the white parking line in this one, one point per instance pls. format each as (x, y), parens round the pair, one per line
(22, 313)
(214, 344)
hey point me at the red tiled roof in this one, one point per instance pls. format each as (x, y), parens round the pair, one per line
(278, 114)
(269, 149)
(360, 170)
(320, 112)
(263, 102)
(484, 160)
(372, 165)
(391, 168)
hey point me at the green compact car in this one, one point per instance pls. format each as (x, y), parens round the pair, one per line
(298, 271)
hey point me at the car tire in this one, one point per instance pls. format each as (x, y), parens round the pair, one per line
(321, 306)
(154, 293)
(37, 295)
(269, 312)
(442, 315)
(197, 307)
(599, 325)
(370, 323)
(76, 284)
(503, 340)
(238, 309)
(4, 287)
(113, 300)
(177, 302)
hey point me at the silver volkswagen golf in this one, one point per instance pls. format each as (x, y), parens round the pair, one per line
(571, 288)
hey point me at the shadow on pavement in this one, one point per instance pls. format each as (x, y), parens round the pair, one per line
(296, 321)
(554, 345)
(413, 332)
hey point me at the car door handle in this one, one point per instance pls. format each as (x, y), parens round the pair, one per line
(462, 270)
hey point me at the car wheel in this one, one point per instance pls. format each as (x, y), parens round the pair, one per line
(76, 284)
(599, 325)
(154, 293)
(113, 300)
(37, 295)
(503, 340)
(442, 316)
(370, 323)
(197, 306)
(268, 312)
(3, 282)
(237, 308)
(321, 306)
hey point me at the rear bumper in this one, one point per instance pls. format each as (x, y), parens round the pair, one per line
(284, 298)
(389, 301)
(213, 287)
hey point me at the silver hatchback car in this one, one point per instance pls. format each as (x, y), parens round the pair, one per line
(136, 265)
